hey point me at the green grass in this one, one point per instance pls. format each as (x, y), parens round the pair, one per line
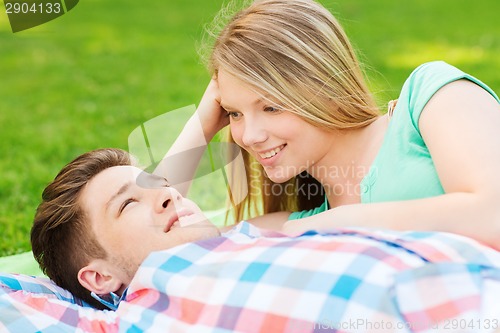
(88, 78)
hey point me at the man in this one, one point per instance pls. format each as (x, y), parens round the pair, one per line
(101, 217)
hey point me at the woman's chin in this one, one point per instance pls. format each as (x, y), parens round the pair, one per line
(278, 177)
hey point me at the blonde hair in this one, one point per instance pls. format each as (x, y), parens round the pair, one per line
(296, 52)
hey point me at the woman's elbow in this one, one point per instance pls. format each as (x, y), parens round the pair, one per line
(491, 226)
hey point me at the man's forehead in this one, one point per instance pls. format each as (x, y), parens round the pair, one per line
(120, 172)
(114, 177)
(108, 181)
(148, 180)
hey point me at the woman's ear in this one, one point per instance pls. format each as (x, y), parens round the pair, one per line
(98, 277)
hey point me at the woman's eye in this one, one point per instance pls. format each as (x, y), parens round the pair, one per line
(272, 109)
(234, 115)
(125, 204)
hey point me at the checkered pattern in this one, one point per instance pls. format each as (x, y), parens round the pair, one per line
(47, 308)
(38, 285)
(343, 281)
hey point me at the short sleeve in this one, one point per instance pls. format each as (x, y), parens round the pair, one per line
(426, 80)
(307, 213)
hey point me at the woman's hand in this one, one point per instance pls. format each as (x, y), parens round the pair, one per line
(296, 227)
(212, 116)
(290, 228)
(324, 221)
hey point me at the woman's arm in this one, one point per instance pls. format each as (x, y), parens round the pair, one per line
(272, 221)
(182, 159)
(461, 128)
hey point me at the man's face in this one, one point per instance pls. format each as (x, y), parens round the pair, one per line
(133, 214)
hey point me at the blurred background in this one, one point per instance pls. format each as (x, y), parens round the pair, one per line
(89, 78)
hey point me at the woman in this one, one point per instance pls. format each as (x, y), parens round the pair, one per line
(288, 79)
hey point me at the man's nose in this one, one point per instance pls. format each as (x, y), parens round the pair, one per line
(166, 197)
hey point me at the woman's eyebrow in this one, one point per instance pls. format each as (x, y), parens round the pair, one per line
(225, 107)
(258, 101)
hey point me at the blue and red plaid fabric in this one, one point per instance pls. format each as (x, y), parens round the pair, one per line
(353, 280)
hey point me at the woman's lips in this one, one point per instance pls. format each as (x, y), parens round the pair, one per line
(269, 157)
(270, 152)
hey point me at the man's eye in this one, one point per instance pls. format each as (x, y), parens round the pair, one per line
(125, 204)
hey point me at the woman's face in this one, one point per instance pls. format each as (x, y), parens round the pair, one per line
(283, 143)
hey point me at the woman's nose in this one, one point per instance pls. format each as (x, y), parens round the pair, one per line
(254, 132)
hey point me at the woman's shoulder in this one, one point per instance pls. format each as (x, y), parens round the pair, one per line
(432, 76)
(429, 77)
(426, 80)
(435, 67)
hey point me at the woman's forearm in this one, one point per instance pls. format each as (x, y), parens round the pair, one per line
(182, 159)
(469, 214)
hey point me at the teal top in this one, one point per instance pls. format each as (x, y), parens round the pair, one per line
(403, 168)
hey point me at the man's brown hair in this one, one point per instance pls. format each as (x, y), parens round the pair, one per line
(61, 236)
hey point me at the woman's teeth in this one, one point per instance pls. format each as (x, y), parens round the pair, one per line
(271, 153)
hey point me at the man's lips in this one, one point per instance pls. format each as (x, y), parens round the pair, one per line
(175, 218)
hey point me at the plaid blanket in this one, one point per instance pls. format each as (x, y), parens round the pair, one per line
(353, 280)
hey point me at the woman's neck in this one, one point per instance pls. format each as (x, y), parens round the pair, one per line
(348, 160)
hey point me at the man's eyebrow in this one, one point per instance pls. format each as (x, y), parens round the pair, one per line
(151, 180)
(124, 188)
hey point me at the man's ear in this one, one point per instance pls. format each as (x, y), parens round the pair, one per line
(98, 277)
